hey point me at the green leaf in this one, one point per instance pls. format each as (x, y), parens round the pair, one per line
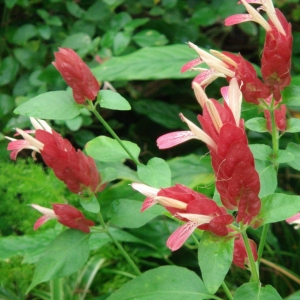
(112, 100)
(58, 105)
(74, 9)
(121, 41)
(6, 104)
(120, 20)
(150, 37)
(75, 123)
(157, 173)
(276, 208)
(293, 125)
(90, 204)
(8, 70)
(284, 156)
(24, 33)
(147, 63)
(295, 150)
(257, 124)
(77, 41)
(215, 257)
(262, 152)
(107, 149)
(198, 171)
(290, 95)
(252, 291)
(163, 283)
(267, 177)
(133, 24)
(127, 213)
(64, 256)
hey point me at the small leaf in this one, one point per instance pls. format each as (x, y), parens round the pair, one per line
(290, 95)
(257, 124)
(267, 177)
(121, 41)
(107, 149)
(295, 150)
(24, 33)
(167, 282)
(58, 105)
(276, 208)
(215, 257)
(127, 213)
(77, 41)
(157, 173)
(90, 204)
(251, 291)
(284, 156)
(112, 100)
(64, 256)
(149, 37)
(293, 125)
(262, 152)
(8, 70)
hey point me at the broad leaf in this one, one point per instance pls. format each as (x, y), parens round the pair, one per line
(107, 149)
(164, 283)
(112, 100)
(156, 173)
(267, 176)
(90, 204)
(58, 105)
(293, 125)
(277, 207)
(257, 124)
(215, 257)
(147, 63)
(290, 95)
(64, 256)
(127, 213)
(252, 291)
(294, 149)
(262, 152)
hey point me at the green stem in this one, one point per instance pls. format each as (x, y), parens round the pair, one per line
(275, 145)
(110, 130)
(56, 289)
(262, 243)
(253, 268)
(119, 246)
(227, 291)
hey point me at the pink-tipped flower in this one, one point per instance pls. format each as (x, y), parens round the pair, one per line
(65, 214)
(294, 220)
(195, 209)
(277, 52)
(74, 168)
(240, 257)
(76, 74)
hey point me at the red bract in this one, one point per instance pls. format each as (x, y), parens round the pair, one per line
(74, 168)
(240, 257)
(276, 57)
(65, 214)
(76, 74)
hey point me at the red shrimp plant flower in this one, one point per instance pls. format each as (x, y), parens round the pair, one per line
(78, 171)
(195, 209)
(65, 214)
(76, 74)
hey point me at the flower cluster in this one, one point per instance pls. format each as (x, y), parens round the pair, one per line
(74, 168)
(223, 131)
(275, 65)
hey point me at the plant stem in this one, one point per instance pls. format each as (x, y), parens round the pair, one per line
(56, 289)
(113, 134)
(275, 145)
(119, 246)
(227, 291)
(250, 257)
